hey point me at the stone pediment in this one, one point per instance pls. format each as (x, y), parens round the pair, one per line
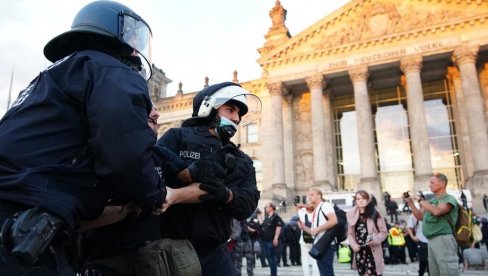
(364, 22)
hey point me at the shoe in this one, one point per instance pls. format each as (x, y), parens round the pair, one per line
(286, 265)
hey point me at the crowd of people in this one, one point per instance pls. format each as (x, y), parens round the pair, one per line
(372, 241)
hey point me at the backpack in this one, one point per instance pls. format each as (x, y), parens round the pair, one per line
(463, 229)
(477, 234)
(168, 257)
(341, 226)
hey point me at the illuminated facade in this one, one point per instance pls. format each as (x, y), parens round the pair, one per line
(377, 95)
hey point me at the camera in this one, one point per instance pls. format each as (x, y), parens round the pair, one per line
(296, 200)
(406, 195)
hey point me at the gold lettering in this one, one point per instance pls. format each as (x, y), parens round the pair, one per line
(380, 56)
(429, 46)
(338, 64)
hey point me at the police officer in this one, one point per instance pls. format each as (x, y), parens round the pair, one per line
(217, 110)
(63, 149)
(111, 248)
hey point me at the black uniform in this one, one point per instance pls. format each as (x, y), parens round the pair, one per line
(64, 148)
(209, 226)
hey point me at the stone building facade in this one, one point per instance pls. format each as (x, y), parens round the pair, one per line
(377, 95)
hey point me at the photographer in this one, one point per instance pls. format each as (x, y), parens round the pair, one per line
(436, 216)
(256, 236)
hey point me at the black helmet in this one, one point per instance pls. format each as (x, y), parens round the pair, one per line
(112, 26)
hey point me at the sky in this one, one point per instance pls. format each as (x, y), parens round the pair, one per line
(192, 39)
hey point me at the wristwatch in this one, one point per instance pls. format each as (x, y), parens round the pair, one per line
(420, 199)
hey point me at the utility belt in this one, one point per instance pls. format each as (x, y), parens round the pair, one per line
(34, 237)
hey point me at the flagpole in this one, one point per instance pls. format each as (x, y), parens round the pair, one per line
(10, 89)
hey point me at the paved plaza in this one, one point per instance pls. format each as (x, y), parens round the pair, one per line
(344, 270)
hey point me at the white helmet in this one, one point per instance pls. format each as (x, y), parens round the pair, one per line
(207, 101)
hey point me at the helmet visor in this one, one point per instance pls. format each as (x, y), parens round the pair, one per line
(253, 109)
(249, 103)
(137, 34)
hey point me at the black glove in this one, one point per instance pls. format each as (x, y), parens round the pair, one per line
(168, 158)
(217, 193)
(207, 171)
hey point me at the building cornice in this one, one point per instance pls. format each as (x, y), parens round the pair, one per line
(333, 36)
(359, 46)
(178, 102)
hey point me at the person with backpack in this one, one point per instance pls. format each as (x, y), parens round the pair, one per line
(439, 216)
(366, 232)
(323, 219)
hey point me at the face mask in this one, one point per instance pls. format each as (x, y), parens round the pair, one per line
(226, 129)
(226, 122)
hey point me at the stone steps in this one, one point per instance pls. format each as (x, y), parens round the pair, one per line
(344, 270)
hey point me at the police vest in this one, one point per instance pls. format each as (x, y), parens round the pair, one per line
(396, 237)
(344, 255)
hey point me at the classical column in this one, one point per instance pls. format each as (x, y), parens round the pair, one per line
(330, 150)
(277, 90)
(316, 85)
(454, 77)
(465, 58)
(364, 121)
(411, 67)
(484, 89)
(288, 142)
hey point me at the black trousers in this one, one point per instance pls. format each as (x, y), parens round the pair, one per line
(217, 262)
(423, 255)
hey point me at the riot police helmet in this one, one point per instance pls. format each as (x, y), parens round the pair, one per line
(109, 26)
(207, 101)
